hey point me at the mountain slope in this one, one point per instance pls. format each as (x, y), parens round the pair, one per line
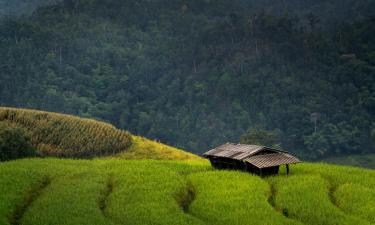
(366, 160)
(22, 7)
(55, 134)
(79, 192)
(328, 11)
(199, 73)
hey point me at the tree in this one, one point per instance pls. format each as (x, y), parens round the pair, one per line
(259, 136)
(14, 143)
(317, 145)
(69, 4)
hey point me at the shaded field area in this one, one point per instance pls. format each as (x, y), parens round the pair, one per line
(364, 160)
(111, 191)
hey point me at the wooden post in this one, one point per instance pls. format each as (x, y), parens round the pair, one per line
(287, 169)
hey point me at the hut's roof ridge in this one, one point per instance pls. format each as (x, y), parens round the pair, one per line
(249, 153)
(269, 160)
(240, 147)
(257, 156)
(248, 147)
(238, 151)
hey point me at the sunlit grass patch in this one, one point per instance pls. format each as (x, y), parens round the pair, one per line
(14, 184)
(143, 148)
(306, 198)
(69, 199)
(147, 194)
(228, 197)
(115, 191)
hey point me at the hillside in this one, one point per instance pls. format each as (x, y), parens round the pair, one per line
(60, 135)
(199, 73)
(366, 161)
(328, 11)
(22, 7)
(77, 192)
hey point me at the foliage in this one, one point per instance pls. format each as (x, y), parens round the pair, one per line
(14, 143)
(365, 160)
(149, 192)
(198, 74)
(21, 7)
(317, 145)
(63, 135)
(260, 136)
(333, 139)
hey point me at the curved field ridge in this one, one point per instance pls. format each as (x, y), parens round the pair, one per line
(148, 192)
(15, 185)
(306, 198)
(32, 194)
(108, 189)
(57, 134)
(186, 197)
(69, 200)
(227, 197)
(357, 200)
(145, 193)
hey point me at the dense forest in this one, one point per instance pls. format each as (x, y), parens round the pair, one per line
(198, 73)
(22, 7)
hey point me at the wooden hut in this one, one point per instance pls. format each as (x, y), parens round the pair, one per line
(256, 159)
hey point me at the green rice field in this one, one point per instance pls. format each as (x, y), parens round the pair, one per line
(113, 191)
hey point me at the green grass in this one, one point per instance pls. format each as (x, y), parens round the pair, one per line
(361, 204)
(228, 197)
(79, 194)
(307, 198)
(113, 191)
(15, 184)
(143, 148)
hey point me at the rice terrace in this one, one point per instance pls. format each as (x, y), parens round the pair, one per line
(145, 182)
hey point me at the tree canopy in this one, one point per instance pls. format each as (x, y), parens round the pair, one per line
(199, 73)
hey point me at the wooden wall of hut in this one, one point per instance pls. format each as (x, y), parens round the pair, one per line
(269, 171)
(227, 163)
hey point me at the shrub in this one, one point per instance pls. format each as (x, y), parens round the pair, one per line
(14, 143)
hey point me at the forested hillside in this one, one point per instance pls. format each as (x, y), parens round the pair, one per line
(22, 7)
(198, 73)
